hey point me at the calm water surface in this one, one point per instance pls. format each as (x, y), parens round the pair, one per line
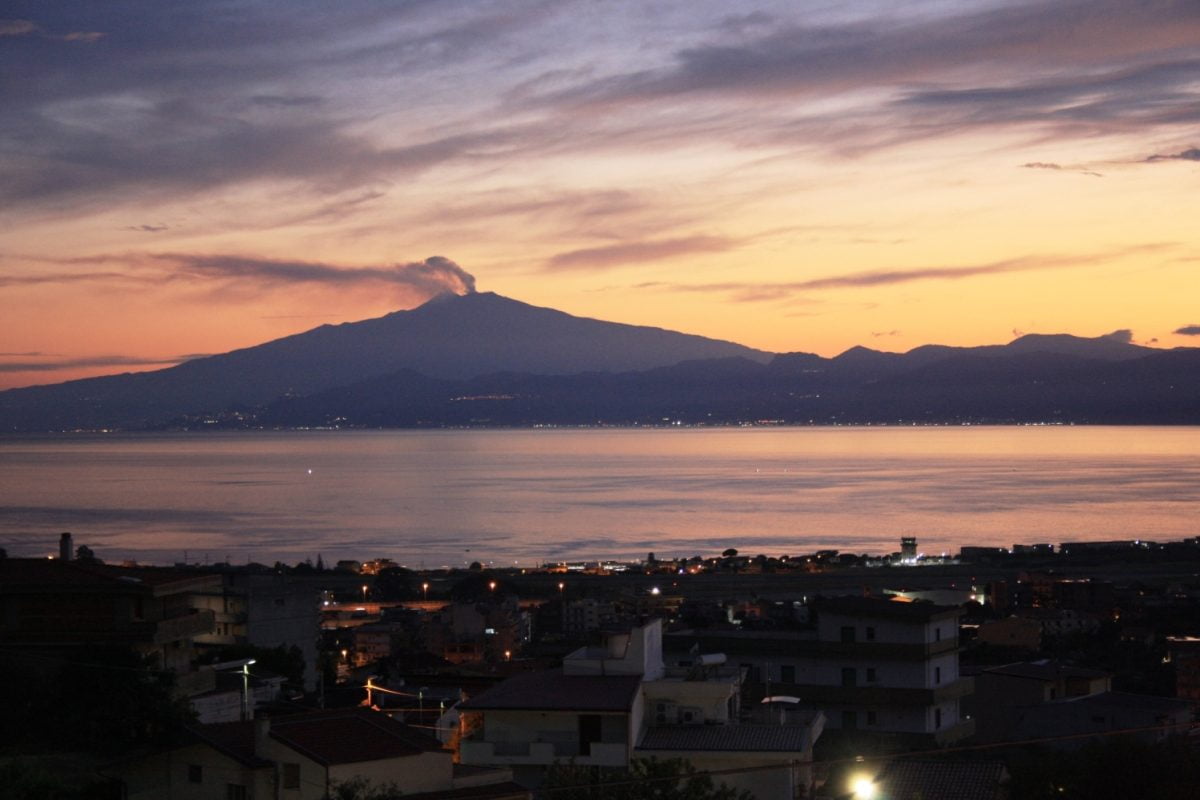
(449, 497)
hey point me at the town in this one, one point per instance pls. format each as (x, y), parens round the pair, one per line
(1042, 670)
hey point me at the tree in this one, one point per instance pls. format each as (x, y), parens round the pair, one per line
(362, 789)
(99, 699)
(645, 779)
(730, 553)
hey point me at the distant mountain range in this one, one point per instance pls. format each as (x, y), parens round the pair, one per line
(482, 359)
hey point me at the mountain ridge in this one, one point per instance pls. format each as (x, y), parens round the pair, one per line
(486, 344)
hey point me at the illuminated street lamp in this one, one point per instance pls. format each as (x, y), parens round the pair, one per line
(492, 585)
(244, 664)
(246, 707)
(863, 787)
(364, 592)
(508, 655)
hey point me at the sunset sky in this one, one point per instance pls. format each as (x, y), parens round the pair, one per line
(188, 178)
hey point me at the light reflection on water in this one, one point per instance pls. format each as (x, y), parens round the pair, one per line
(448, 497)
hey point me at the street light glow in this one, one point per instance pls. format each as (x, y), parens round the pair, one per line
(863, 787)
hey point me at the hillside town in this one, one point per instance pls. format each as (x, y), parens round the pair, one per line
(1041, 670)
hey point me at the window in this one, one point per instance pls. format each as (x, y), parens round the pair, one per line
(870, 633)
(937, 676)
(937, 634)
(589, 732)
(787, 673)
(937, 719)
(849, 720)
(235, 791)
(195, 773)
(871, 718)
(848, 633)
(871, 675)
(291, 776)
(848, 677)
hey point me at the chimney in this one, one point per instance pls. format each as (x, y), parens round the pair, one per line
(65, 550)
(262, 733)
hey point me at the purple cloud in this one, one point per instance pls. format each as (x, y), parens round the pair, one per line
(616, 255)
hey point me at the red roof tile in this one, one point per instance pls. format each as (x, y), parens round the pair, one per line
(35, 573)
(350, 735)
(336, 736)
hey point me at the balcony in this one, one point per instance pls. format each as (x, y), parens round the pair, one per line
(874, 695)
(172, 629)
(883, 651)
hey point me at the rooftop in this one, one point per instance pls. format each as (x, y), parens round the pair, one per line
(1046, 671)
(1117, 701)
(336, 736)
(24, 574)
(945, 780)
(553, 691)
(880, 608)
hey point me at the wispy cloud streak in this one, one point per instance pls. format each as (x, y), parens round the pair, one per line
(427, 278)
(751, 292)
(91, 362)
(627, 253)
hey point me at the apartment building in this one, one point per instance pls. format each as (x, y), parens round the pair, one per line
(57, 603)
(872, 665)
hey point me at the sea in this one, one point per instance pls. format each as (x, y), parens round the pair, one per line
(527, 497)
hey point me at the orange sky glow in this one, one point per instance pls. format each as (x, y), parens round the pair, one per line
(184, 180)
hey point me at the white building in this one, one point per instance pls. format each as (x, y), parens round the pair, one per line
(617, 702)
(879, 666)
(304, 757)
(888, 666)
